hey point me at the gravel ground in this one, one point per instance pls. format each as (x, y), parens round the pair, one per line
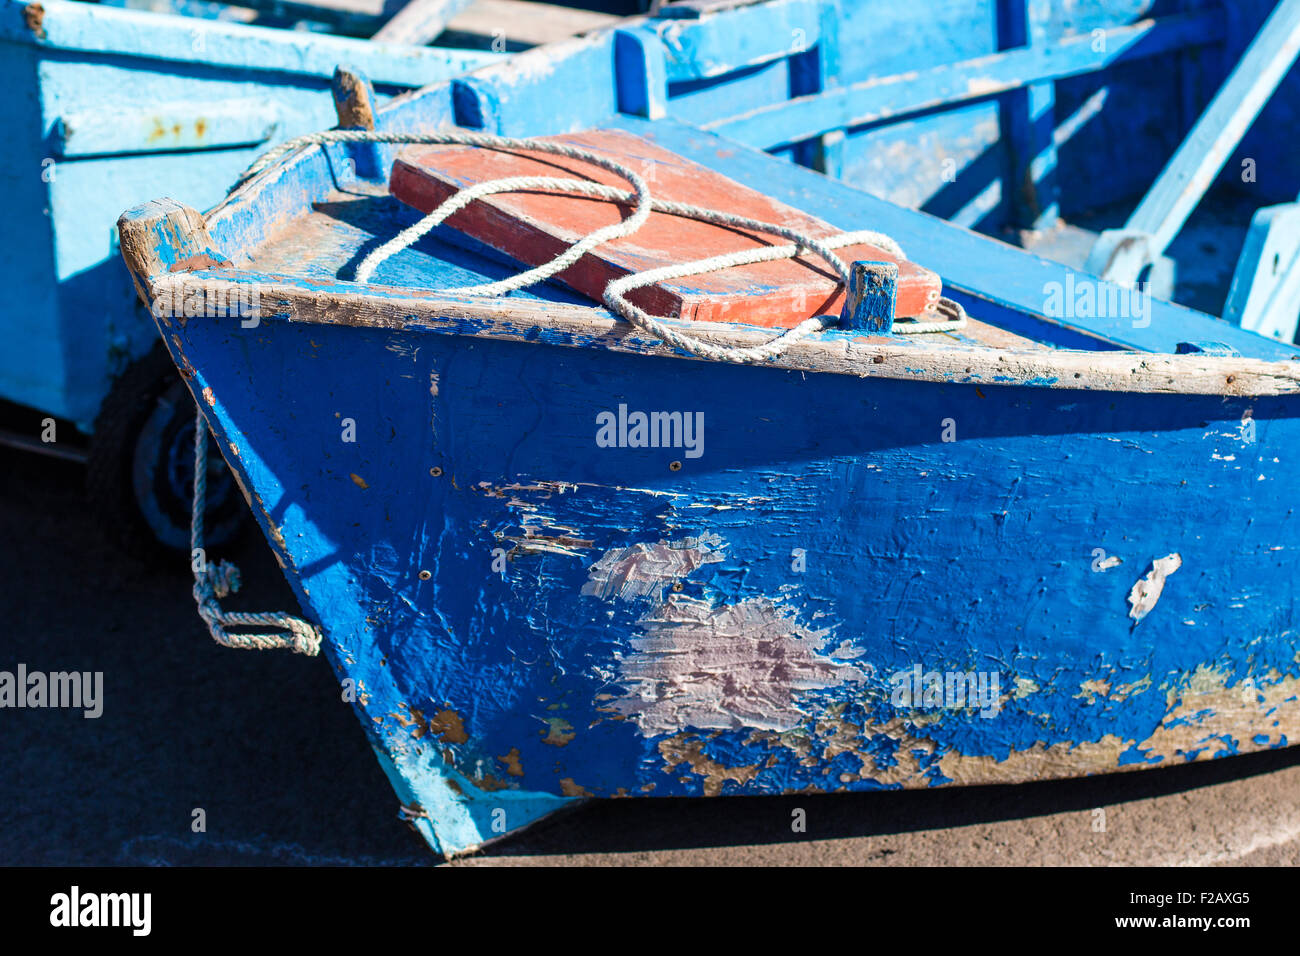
(264, 746)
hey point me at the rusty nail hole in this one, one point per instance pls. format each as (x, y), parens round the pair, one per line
(674, 466)
(425, 575)
(1231, 379)
(878, 359)
(677, 585)
(436, 471)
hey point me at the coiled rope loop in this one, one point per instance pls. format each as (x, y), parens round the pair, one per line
(213, 581)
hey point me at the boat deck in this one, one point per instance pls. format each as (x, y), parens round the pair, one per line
(331, 241)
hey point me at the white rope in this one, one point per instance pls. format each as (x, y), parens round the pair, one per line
(213, 581)
(642, 203)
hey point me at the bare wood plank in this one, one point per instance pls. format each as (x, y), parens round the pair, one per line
(523, 23)
(353, 12)
(420, 21)
(937, 359)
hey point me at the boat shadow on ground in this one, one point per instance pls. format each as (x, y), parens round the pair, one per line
(650, 824)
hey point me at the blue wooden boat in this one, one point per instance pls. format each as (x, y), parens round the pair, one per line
(107, 107)
(1057, 539)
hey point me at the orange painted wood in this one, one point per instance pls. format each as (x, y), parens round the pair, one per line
(535, 227)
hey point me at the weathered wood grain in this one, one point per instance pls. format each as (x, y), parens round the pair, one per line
(419, 21)
(931, 358)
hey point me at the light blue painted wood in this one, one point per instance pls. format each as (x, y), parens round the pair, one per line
(1120, 255)
(892, 97)
(163, 127)
(717, 44)
(1265, 292)
(109, 107)
(563, 86)
(90, 28)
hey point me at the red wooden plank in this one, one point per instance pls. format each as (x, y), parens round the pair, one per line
(535, 227)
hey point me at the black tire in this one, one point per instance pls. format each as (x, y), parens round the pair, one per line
(140, 471)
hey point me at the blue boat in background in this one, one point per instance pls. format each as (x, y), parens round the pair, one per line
(107, 107)
(1056, 538)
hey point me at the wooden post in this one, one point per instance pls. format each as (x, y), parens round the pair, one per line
(354, 103)
(354, 98)
(871, 299)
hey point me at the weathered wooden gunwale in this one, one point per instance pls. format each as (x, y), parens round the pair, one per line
(930, 358)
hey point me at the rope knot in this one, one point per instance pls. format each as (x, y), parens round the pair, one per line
(224, 579)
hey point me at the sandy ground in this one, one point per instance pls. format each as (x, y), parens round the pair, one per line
(264, 746)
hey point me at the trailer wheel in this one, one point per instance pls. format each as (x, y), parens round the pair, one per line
(140, 472)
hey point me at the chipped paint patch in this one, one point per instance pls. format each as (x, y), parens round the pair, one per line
(1207, 717)
(724, 667)
(1092, 689)
(448, 725)
(571, 789)
(533, 543)
(358, 481)
(1124, 691)
(643, 570)
(558, 732)
(689, 750)
(34, 18)
(1024, 687)
(1146, 592)
(513, 765)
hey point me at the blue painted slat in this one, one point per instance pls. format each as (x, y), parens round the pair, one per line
(639, 73)
(88, 28)
(715, 45)
(893, 97)
(1028, 122)
(164, 127)
(871, 298)
(1122, 254)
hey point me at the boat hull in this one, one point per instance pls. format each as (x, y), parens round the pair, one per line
(829, 583)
